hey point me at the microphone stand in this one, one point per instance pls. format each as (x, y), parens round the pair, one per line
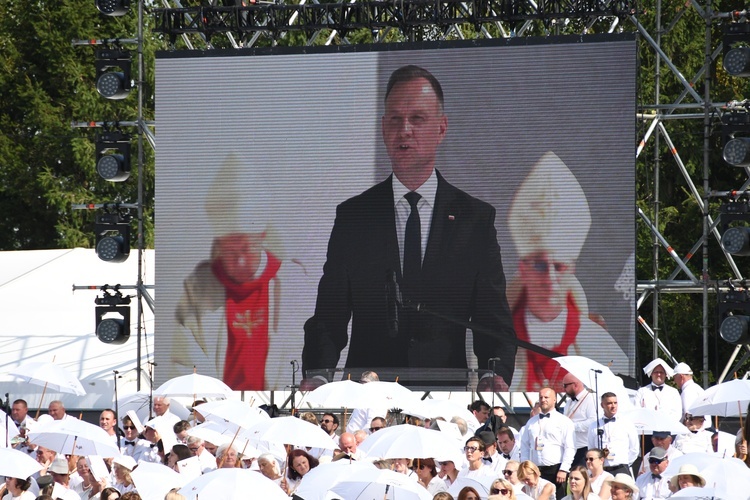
(599, 430)
(294, 386)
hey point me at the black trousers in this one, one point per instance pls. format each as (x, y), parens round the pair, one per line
(580, 458)
(549, 472)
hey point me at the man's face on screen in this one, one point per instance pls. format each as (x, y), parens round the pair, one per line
(413, 127)
(545, 281)
(239, 254)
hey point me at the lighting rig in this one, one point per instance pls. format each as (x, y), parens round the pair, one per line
(112, 316)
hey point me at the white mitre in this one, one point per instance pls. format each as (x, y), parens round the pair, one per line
(235, 199)
(549, 212)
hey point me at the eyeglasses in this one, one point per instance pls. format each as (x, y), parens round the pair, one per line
(495, 491)
(507, 472)
(128, 427)
(471, 449)
(656, 460)
(375, 429)
(327, 421)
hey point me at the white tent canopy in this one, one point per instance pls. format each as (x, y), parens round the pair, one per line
(43, 319)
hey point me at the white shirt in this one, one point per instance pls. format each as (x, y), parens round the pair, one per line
(651, 487)
(361, 418)
(700, 442)
(619, 437)
(582, 412)
(666, 400)
(483, 471)
(497, 464)
(425, 205)
(549, 441)
(690, 393)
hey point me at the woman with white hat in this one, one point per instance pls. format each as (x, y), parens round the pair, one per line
(687, 476)
(623, 487)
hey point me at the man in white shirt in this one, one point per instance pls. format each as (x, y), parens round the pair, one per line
(657, 395)
(161, 409)
(133, 446)
(197, 449)
(56, 410)
(615, 436)
(108, 422)
(654, 484)
(581, 410)
(60, 473)
(492, 458)
(690, 392)
(549, 441)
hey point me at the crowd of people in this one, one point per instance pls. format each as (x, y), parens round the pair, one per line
(568, 449)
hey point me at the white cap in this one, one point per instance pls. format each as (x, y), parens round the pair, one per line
(652, 366)
(549, 212)
(682, 369)
(59, 465)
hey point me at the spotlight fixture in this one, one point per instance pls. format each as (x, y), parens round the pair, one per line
(734, 329)
(737, 152)
(112, 237)
(113, 156)
(113, 73)
(114, 8)
(737, 49)
(735, 129)
(736, 241)
(112, 317)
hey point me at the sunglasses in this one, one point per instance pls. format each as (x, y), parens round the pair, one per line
(591, 459)
(656, 460)
(508, 472)
(128, 427)
(327, 421)
(495, 491)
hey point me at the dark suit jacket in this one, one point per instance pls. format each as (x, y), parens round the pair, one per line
(462, 278)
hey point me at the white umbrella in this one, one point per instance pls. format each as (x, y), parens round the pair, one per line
(697, 493)
(194, 385)
(648, 421)
(482, 485)
(316, 483)
(74, 437)
(699, 460)
(728, 399)
(348, 394)
(379, 484)
(153, 481)
(50, 376)
(433, 408)
(14, 463)
(585, 369)
(233, 411)
(728, 478)
(410, 441)
(289, 430)
(230, 484)
(9, 430)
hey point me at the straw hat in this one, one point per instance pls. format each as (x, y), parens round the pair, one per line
(624, 480)
(688, 470)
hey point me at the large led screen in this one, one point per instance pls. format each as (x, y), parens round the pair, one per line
(535, 153)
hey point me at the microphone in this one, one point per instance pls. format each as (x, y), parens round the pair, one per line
(392, 302)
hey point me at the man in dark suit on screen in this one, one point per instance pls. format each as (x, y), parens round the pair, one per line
(415, 229)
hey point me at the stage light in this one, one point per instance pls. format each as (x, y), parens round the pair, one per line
(734, 329)
(113, 73)
(112, 237)
(737, 61)
(113, 156)
(736, 241)
(113, 7)
(737, 152)
(113, 318)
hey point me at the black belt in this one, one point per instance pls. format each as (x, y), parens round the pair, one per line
(614, 467)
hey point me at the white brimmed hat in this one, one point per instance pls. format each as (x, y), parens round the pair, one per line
(624, 480)
(688, 470)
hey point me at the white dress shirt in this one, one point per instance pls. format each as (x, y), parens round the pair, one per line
(650, 487)
(582, 412)
(619, 437)
(666, 400)
(549, 440)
